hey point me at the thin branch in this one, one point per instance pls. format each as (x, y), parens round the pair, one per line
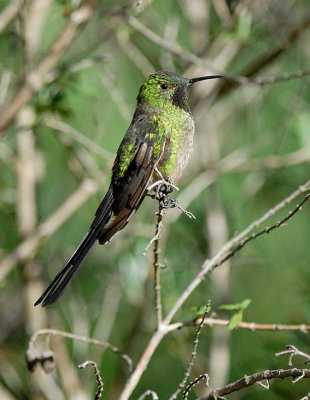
(252, 326)
(192, 359)
(36, 79)
(9, 13)
(272, 162)
(194, 383)
(149, 393)
(249, 380)
(293, 351)
(78, 136)
(84, 339)
(157, 265)
(167, 45)
(267, 80)
(254, 236)
(99, 380)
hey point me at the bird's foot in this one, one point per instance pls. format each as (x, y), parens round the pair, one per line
(160, 191)
(169, 202)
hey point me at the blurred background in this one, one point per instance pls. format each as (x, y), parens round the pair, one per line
(62, 120)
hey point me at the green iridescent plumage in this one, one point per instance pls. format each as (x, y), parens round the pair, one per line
(156, 146)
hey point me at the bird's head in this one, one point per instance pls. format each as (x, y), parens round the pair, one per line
(162, 88)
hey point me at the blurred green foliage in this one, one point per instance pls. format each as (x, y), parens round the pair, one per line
(93, 90)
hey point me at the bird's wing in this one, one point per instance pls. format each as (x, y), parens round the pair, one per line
(130, 190)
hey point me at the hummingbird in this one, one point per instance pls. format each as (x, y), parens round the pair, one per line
(155, 148)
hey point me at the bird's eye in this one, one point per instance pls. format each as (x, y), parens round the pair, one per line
(164, 86)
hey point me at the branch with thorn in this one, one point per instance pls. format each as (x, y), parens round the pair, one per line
(292, 351)
(249, 380)
(192, 359)
(99, 380)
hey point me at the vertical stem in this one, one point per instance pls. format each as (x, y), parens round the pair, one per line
(157, 266)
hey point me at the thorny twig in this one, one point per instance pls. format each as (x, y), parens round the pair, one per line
(194, 383)
(249, 380)
(293, 351)
(99, 380)
(193, 356)
(149, 393)
(278, 224)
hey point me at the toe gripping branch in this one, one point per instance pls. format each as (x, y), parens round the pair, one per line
(161, 190)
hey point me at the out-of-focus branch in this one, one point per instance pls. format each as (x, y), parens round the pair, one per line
(272, 162)
(39, 75)
(78, 136)
(84, 339)
(167, 45)
(249, 380)
(9, 13)
(48, 227)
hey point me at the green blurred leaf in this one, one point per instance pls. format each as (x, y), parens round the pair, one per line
(235, 320)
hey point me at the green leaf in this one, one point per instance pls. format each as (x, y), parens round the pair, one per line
(245, 304)
(235, 320)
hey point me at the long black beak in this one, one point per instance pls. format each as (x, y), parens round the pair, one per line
(203, 78)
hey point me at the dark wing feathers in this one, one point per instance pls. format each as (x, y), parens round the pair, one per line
(130, 192)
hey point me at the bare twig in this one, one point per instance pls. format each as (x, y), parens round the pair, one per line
(99, 380)
(293, 351)
(157, 265)
(247, 381)
(267, 80)
(254, 236)
(78, 136)
(194, 383)
(10, 12)
(272, 162)
(167, 45)
(192, 359)
(149, 393)
(84, 339)
(252, 326)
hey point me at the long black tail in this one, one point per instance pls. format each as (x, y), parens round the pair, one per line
(64, 276)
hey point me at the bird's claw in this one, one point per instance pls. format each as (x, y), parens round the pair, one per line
(169, 202)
